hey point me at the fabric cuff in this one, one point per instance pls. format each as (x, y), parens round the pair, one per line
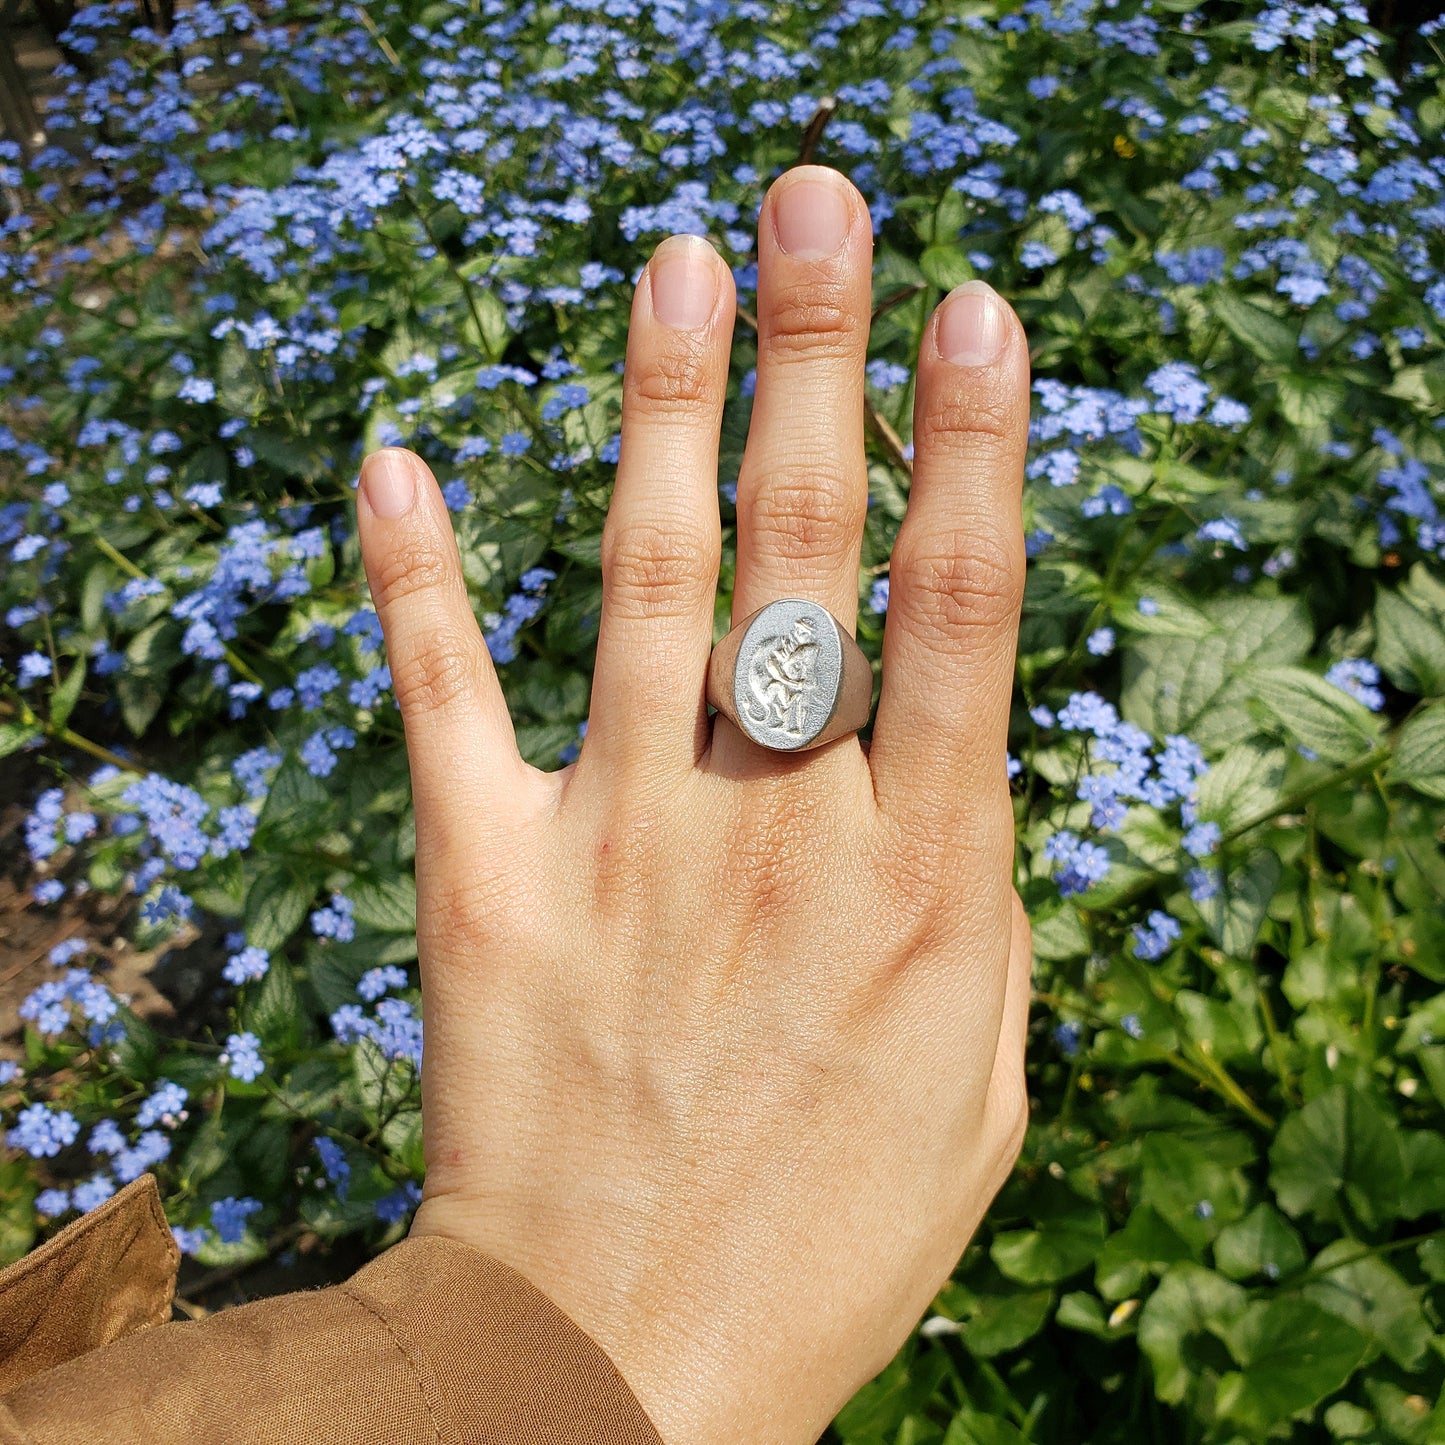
(494, 1356)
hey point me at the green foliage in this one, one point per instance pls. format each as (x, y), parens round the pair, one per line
(421, 230)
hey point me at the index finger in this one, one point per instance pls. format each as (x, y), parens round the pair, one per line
(957, 575)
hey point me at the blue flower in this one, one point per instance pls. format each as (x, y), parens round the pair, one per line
(229, 1217)
(375, 981)
(165, 1105)
(335, 920)
(197, 389)
(1101, 641)
(188, 1241)
(242, 1055)
(95, 1191)
(349, 1023)
(50, 1202)
(129, 1164)
(42, 1133)
(247, 964)
(1083, 864)
(878, 596)
(397, 1032)
(886, 375)
(399, 1203)
(1223, 530)
(1358, 676)
(1181, 391)
(33, 666)
(336, 1164)
(1154, 937)
(106, 1138)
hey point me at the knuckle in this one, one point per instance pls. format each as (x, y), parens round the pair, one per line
(412, 565)
(435, 675)
(985, 424)
(964, 582)
(672, 384)
(657, 571)
(813, 322)
(804, 517)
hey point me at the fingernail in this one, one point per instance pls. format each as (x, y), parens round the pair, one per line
(389, 482)
(810, 217)
(971, 325)
(684, 282)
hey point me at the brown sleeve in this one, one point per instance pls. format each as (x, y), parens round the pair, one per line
(105, 1275)
(433, 1341)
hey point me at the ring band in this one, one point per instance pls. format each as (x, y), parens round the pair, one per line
(791, 677)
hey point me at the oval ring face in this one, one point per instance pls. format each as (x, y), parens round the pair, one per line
(789, 674)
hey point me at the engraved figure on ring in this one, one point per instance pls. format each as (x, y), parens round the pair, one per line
(780, 678)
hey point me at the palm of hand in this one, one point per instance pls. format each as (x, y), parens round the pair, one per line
(724, 1046)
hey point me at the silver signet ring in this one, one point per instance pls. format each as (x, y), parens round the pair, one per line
(791, 676)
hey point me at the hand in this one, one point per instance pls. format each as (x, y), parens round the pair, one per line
(724, 1047)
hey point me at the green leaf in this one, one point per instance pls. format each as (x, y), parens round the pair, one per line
(1409, 643)
(141, 686)
(136, 1053)
(946, 266)
(64, 698)
(1310, 401)
(973, 1428)
(387, 904)
(140, 700)
(294, 806)
(334, 969)
(14, 736)
(1419, 759)
(402, 1139)
(1242, 785)
(1261, 1243)
(1292, 1355)
(1234, 914)
(1339, 1150)
(1062, 1243)
(273, 1010)
(1195, 1180)
(1061, 935)
(17, 1210)
(276, 904)
(876, 1415)
(1259, 331)
(1423, 1152)
(1196, 685)
(1191, 1304)
(1373, 1297)
(994, 1315)
(313, 1087)
(1147, 1244)
(1316, 713)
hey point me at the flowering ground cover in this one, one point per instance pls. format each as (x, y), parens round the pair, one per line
(256, 246)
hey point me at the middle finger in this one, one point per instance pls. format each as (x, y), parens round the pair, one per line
(803, 484)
